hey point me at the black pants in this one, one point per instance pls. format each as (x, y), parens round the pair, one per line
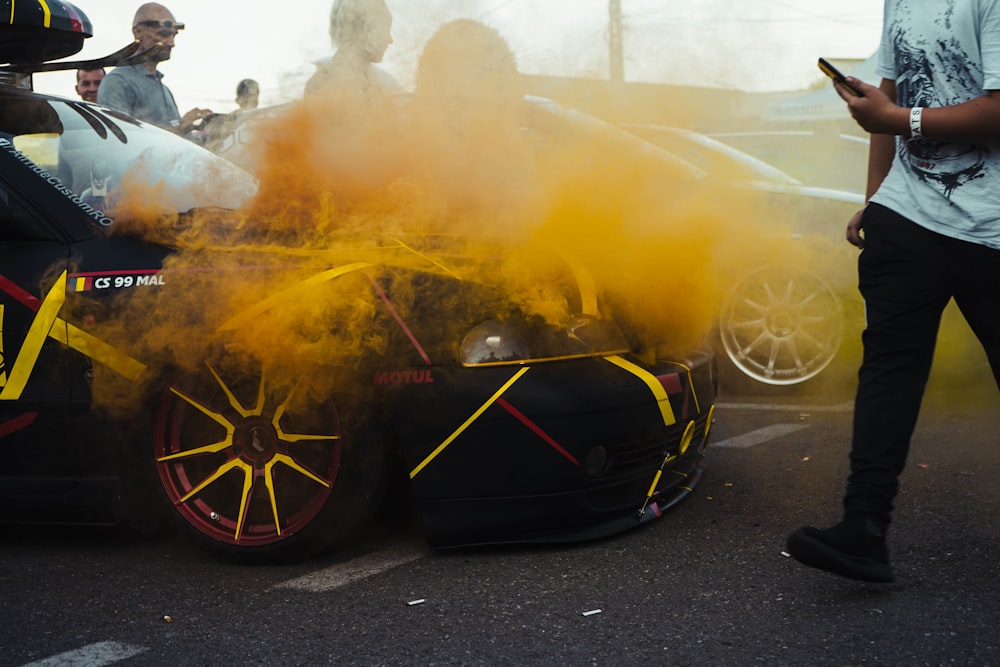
(907, 275)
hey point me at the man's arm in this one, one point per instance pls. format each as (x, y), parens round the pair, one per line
(881, 149)
(975, 120)
(191, 120)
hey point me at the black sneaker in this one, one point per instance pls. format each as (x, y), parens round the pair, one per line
(855, 550)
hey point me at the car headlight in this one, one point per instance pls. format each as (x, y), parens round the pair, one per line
(493, 342)
(517, 341)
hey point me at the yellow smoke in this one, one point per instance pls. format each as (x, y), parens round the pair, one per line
(449, 196)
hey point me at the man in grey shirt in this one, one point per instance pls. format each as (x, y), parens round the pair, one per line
(138, 89)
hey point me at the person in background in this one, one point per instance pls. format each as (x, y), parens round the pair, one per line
(139, 89)
(87, 83)
(349, 106)
(466, 124)
(247, 94)
(361, 31)
(931, 233)
(217, 128)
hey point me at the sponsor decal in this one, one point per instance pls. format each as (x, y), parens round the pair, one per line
(418, 376)
(97, 216)
(86, 282)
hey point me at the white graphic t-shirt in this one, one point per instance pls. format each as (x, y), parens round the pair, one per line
(941, 53)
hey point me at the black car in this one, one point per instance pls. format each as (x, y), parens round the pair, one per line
(157, 357)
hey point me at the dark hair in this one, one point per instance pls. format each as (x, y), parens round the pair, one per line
(88, 69)
(247, 86)
(467, 58)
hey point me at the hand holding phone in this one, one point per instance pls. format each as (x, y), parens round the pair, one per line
(835, 74)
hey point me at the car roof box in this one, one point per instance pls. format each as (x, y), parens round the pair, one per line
(37, 31)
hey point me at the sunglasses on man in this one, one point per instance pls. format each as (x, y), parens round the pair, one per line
(165, 28)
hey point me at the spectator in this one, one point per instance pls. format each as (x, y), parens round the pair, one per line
(361, 31)
(138, 89)
(247, 94)
(467, 112)
(931, 233)
(348, 112)
(217, 128)
(88, 81)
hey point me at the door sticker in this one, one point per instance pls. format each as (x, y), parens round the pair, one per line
(85, 282)
(47, 323)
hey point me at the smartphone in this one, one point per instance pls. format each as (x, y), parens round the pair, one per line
(835, 74)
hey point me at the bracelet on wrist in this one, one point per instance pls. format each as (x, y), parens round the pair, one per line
(916, 129)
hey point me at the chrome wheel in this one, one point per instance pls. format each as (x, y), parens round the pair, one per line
(781, 326)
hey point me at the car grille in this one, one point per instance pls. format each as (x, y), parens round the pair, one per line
(635, 464)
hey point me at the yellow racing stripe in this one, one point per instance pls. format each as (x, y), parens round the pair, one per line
(687, 437)
(468, 422)
(3, 370)
(432, 261)
(694, 394)
(47, 323)
(585, 282)
(98, 350)
(48, 13)
(655, 386)
(282, 296)
(27, 356)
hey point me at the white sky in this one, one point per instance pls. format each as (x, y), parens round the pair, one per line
(752, 45)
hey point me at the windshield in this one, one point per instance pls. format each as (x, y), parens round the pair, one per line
(101, 156)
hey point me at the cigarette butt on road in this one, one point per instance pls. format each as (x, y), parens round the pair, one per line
(412, 603)
(592, 612)
(786, 554)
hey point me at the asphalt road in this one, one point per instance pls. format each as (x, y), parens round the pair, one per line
(706, 584)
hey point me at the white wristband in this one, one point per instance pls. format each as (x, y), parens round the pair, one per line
(915, 129)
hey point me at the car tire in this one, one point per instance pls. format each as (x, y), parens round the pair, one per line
(260, 473)
(779, 327)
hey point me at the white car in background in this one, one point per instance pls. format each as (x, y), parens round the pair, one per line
(783, 322)
(824, 157)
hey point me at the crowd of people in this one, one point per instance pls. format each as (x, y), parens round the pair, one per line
(139, 89)
(928, 233)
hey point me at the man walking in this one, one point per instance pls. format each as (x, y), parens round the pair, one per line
(931, 233)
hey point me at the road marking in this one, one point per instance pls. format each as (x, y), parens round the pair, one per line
(357, 569)
(846, 406)
(93, 655)
(759, 436)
